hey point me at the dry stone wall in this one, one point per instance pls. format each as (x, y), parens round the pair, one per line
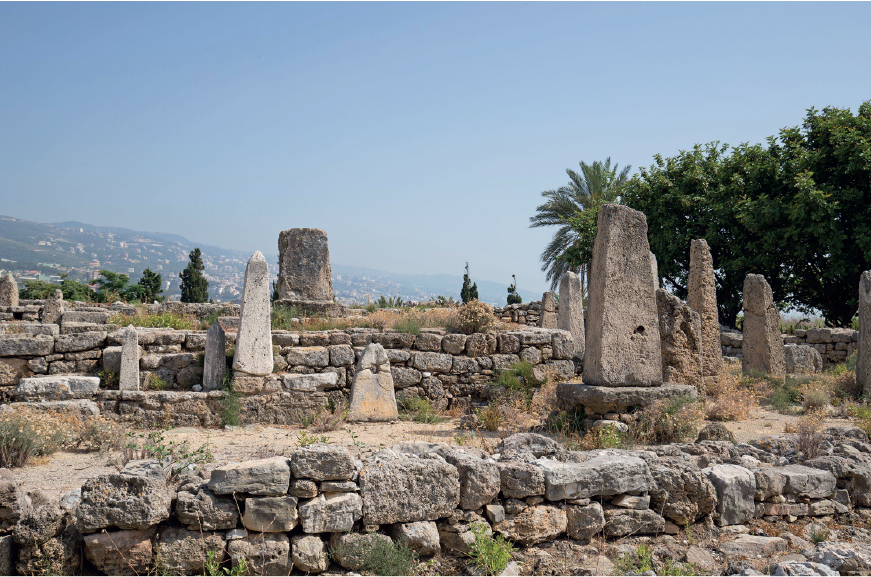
(834, 345)
(298, 510)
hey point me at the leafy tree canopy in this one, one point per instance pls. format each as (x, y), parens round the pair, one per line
(794, 210)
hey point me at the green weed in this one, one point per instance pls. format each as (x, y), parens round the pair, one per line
(491, 555)
(638, 561)
(419, 410)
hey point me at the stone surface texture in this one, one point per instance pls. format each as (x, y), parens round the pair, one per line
(622, 340)
(215, 358)
(803, 359)
(130, 353)
(549, 317)
(8, 291)
(863, 360)
(304, 272)
(254, 337)
(608, 399)
(702, 298)
(680, 331)
(763, 346)
(570, 316)
(122, 501)
(735, 488)
(407, 490)
(372, 395)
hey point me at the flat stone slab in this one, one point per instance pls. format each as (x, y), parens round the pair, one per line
(79, 407)
(603, 475)
(601, 400)
(56, 388)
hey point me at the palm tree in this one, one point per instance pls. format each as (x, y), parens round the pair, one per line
(596, 183)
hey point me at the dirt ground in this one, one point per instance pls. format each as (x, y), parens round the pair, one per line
(62, 472)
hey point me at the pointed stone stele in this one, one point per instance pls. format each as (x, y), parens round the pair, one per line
(8, 291)
(215, 359)
(548, 317)
(129, 378)
(254, 338)
(702, 298)
(372, 394)
(622, 340)
(570, 316)
(863, 356)
(763, 346)
(53, 308)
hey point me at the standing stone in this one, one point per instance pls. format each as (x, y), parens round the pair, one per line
(8, 291)
(654, 270)
(215, 359)
(623, 347)
(129, 378)
(763, 346)
(548, 318)
(372, 394)
(254, 338)
(863, 356)
(53, 308)
(680, 330)
(571, 310)
(702, 298)
(304, 274)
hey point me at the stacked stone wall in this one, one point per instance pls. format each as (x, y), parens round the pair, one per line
(834, 345)
(521, 313)
(297, 510)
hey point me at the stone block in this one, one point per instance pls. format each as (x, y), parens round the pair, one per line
(269, 477)
(603, 400)
(270, 514)
(605, 475)
(408, 490)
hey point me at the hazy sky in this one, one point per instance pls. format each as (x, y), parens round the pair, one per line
(419, 135)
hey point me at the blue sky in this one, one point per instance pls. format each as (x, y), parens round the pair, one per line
(419, 135)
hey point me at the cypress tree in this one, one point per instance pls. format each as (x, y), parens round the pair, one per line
(469, 292)
(194, 286)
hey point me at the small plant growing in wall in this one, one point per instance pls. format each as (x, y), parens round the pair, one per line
(490, 555)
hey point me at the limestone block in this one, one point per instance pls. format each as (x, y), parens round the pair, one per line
(269, 477)
(372, 395)
(53, 308)
(549, 317)
(205, 511)
(267, 554)
(622, 340)
(603, 400)
(802, 359)
(22, 345)
(120, 552)
(422, 537)
(455, 344)
(254, 337)
(735, 488)
(754, 546)
(408, 489)
(13, 370)
(520, 480)
(308, 553)
(480, 479)
(571, 311)
(763, 346)
(270, 514)
(605, 475)
(622, 522)
(330, 513)
(8, 291)
(682, 492)
(534, 524)
(130, 353)
(341, 355)
(56, 388)
(584, 522)
(309, 356)
(304, 265)
(403, 377)
(433, 362)
(122, 501)
(215, 358)
(702, 298)
(310, 383)
(322, 462)
(96, 317)
(680, 331)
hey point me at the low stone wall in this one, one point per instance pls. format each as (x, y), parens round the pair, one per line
(310, 368)
(521, 313)
(298, 510)
(834, 345)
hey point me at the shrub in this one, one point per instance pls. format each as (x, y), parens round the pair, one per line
(474, 317)
(490, 417)
(732, 407)
(380, 556)
(155, 383)
(109, 379)
(491, 555)
(329, 419)
(814, 398)
(567, 423)
(230, 409)
(668, 421)
(419, 410)
(608, 437)
(175, 458)
(210, 319)
(635, 562)
(408, 324)
(810, 436)
(861, 416)
(305, 439)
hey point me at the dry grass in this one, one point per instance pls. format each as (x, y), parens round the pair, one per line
(810, 434)
(731, 399)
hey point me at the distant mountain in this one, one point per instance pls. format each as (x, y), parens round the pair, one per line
(81, 250)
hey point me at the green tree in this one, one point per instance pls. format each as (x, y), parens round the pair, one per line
(148, 288)
(194, 286)
(513, 297)
(37, 289)
(469, 292)
(113, 283)
(75, 291)
(793, 210)
(574, 208)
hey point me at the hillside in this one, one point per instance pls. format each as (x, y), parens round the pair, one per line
(32, 249)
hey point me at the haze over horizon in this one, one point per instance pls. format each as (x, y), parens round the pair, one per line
(418, 135)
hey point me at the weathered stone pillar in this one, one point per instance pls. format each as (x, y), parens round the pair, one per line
(702, 298)
(654, 270)
(622, 341)
(680, 330)
(53, 308)
(304, 273)
(548, 318)
(8, 291)
(571, 310)
(863, 355)
(763, 346)
(254, 338)
(215, 359)
(129, 377)
(372, 394)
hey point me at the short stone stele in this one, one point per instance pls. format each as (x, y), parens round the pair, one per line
(254, 338)
(372, 394)
(763, 345)
(215, 359)
(8, 291)
(570, 316)
(304, 273)
(129, 378)
(548, 317)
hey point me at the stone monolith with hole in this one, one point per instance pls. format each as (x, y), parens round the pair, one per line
(570, 316)
(680, 331)
(702, 298)
(763, 345)
(8, 291)
(129, 377)
(622, 340)
(215, 358)
(304, 272)
(254, 338)
(863, 360)
(372, 394)
(548, 316)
